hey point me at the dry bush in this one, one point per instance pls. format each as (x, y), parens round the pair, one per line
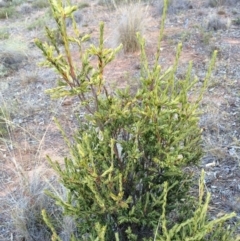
(215, 22)
(13, 54)
(26, 8)
(133, 19)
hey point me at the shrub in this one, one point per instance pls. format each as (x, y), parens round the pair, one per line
(197, 227)
(216, 23)
(129, 145)
(192, 228)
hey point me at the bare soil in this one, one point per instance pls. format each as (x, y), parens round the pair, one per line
(32, 133)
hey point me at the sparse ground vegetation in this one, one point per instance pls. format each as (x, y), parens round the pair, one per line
(39, 23)
(4, 126)
(28, 132)
(40, 4)
(4, 33)
(7, 12)
(83, 5)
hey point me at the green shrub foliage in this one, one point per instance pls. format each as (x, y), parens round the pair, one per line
(129, 144)
(197, 227)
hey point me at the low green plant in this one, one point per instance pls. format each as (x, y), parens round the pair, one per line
(4, 128)
(4, 34)
(129, 145)
(205, 36)
(185, 36)
(83, 5)
(40, 4)
(7, 12)
(236, 21)
(38, 23)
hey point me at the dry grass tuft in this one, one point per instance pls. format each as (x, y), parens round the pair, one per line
(216, 135)
(4, 119)
(26, 210)
(132, 21)
(26, 204)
